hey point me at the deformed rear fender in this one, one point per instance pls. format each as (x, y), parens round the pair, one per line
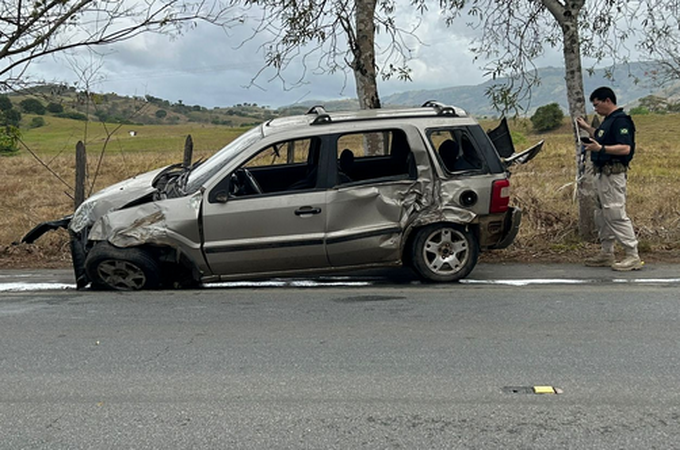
(448, 214)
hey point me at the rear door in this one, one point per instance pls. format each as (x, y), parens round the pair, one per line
(368, 206)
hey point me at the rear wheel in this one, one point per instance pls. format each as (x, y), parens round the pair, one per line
(444, 252)
(122, 269)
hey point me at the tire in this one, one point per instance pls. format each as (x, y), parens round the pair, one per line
(444, 252)
(121, 269)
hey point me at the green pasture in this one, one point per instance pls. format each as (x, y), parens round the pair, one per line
(61, 136)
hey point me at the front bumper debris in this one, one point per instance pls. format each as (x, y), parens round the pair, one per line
(44, 227)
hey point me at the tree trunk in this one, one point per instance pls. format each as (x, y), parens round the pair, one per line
(363, 49)
(567, 17)
(364, 68)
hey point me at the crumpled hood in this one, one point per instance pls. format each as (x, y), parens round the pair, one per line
(112, 198)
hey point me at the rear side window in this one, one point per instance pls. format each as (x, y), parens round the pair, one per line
(456, 150)
(374, 156)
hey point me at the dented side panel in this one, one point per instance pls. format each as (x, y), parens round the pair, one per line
(382, 214)
(363, 217)
(376, 215)
(172, 223)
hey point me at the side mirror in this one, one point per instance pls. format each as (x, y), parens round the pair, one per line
(221, 197)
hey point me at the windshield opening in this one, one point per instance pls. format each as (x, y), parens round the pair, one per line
(214, 164)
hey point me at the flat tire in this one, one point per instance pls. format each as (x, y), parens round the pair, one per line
(121, 269)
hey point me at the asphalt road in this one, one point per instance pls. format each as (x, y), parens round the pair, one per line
(383, 365)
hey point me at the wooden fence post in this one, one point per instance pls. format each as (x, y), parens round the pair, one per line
(188, 151)
(81, 168)
(291, 152)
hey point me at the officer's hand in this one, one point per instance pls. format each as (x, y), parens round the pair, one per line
(594, 146)
(582, 123)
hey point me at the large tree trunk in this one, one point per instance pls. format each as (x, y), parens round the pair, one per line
(364, 55)
(567, 17)
(364, 68)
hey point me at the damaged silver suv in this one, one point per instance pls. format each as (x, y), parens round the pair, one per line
(425, 187)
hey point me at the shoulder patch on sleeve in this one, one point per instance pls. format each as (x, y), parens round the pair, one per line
(623, 131)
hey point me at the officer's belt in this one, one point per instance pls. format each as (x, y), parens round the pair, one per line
(611, 168)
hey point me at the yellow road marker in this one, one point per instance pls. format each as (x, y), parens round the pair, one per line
(544, 390)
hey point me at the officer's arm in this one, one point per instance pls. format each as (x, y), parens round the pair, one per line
(624, 138)
(616, 150)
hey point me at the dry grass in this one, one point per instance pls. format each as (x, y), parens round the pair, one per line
(543, 189)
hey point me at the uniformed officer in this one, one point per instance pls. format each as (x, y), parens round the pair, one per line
(611, 150)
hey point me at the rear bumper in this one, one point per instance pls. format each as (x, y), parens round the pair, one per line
(499, 231)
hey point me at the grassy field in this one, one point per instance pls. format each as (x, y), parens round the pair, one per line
(543, 188)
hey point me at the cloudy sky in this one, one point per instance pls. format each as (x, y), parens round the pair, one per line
(209, 67)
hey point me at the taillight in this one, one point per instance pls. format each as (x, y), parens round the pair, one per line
(500, 196)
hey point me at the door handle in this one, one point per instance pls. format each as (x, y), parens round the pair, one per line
(306, 210)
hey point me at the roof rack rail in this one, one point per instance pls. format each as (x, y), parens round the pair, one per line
(321, 115)
(440, 108)
(316, 109)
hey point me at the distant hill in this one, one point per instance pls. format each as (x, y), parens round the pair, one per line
(147, 110)
(630, 82)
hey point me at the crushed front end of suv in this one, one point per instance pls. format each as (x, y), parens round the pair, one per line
(424, 187)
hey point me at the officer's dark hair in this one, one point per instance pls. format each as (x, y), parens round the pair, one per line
(603, 93)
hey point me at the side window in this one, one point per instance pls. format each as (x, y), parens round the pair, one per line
(283, 167)
(372, 156)
(289, 152)
(455, 150)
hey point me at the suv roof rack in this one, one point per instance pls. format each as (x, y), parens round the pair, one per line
(440, 108)
(321, 115)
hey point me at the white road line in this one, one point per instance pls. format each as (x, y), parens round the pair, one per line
(20, 287)
(571, 281)
(650, 280)
(528, 281)
(28, 286)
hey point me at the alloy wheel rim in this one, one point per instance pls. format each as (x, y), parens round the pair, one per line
(446, 251)
(121, 275)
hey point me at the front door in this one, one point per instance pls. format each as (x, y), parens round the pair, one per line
(265, 234)
(269, 215)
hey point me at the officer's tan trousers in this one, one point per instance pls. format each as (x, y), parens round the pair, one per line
(610, 214)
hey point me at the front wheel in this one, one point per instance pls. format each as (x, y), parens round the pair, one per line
(122, 269)
(444, 252)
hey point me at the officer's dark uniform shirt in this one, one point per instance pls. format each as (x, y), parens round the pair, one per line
(617, 128)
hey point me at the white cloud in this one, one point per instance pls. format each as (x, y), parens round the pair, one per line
(209, 67)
